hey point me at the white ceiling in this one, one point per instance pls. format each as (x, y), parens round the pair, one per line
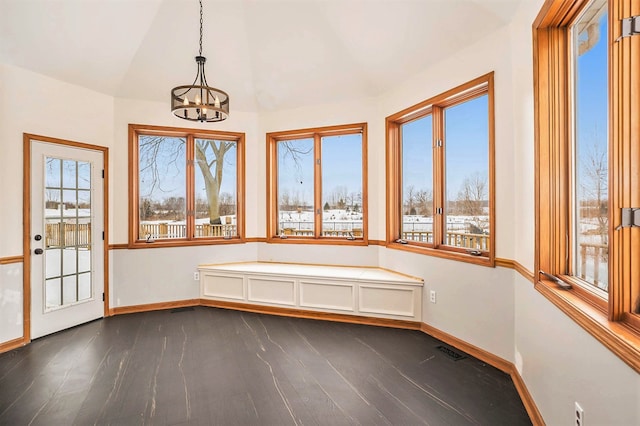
(267, 54)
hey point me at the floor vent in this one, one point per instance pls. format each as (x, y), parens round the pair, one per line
(186, 308)
(456, 356)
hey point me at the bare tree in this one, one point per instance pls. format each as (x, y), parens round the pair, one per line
(210, 159)
(339, 197)
(409, 200)
(472, 195)
(594, 185)
(227, 204)
(285, 201)
(424, 201)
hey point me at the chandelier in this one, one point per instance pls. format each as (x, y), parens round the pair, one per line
(198, 101)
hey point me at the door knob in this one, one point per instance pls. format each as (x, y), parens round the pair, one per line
(37, 237)
(38, 251)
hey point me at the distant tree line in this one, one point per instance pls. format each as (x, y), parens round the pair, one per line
(174, 208)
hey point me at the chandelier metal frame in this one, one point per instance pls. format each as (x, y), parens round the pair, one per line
(199, 101)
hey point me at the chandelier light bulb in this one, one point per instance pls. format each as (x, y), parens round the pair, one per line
(197, 99)
(216, 102)
(186, 101)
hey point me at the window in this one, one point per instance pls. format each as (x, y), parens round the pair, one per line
(186, 186)
(440, 182)
(588, 167)
(316, 187)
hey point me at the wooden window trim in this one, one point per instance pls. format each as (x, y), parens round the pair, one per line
(135, 130)
(467, 91)
(610, 322)
(272, 183)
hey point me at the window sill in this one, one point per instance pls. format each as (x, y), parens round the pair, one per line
(142, 244)
(445, 254)
(320, 241)
(620, 338)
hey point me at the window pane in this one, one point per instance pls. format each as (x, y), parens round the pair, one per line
(342, 186)
(215, 188)
(590, 234)
(162, 187)
(417, 180)
(295, 187)
(467, 174)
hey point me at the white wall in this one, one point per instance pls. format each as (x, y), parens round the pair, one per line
(563, 364)
(143, 276)
(10, 302)
(31, 103)
(473, 303)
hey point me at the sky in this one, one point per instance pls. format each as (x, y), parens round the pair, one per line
(591, 96)
(341, 167)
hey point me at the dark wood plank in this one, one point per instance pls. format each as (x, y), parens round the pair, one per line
(216, 366)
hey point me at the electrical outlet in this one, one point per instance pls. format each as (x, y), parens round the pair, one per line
(196, 276)
(579, 415)
(432, 296)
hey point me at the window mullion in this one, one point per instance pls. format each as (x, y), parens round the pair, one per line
(394, 188)
(317, 185)
(190, 192)
(438, 176)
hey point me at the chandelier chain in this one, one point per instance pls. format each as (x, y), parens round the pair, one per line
(200, 27)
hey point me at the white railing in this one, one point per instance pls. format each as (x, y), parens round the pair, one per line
(594, 254)
(179, 230)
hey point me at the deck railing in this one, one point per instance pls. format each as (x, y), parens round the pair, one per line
(60, 234)
(67, 234)
(356, 232)
(179, 230)
(456, 239)
(596, 253)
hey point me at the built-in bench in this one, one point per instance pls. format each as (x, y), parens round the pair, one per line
(361, 291)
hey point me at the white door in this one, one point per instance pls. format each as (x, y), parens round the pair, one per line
(67, 252)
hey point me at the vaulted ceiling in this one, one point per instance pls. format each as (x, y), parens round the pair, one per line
(267, 54)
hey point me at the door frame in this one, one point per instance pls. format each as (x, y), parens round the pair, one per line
(26, 222)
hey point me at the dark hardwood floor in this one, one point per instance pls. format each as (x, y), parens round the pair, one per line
(219, 367)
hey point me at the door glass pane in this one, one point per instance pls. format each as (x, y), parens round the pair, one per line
(162, 185)
(69, 260)
(53, 267)
(84, 286)
(417, 180)
(69, 174)
(216, 188)
(84, 259)
(466, 197)
(295, 187)
(84, 175)
(67, 235)
(342, 186)
(53, 175)
(69, 290)
(590, 248)
(53, 293)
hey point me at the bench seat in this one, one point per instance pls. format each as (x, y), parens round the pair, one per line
(362, 291)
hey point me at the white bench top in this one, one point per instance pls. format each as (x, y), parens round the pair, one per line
(353, 273)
